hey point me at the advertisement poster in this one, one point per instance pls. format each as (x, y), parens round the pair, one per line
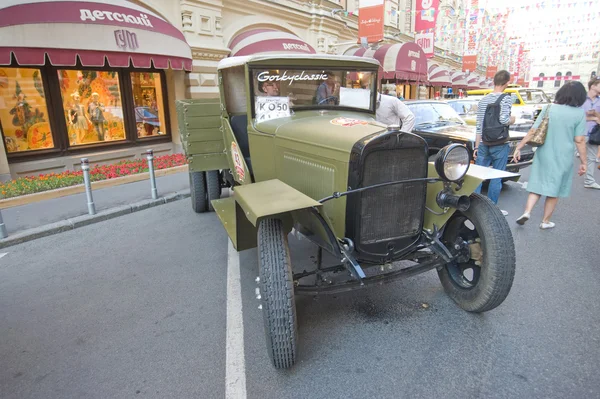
(491, 71)
(370, 20)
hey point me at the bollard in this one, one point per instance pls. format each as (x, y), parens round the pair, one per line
(3, 232)
(85, 167)
(150, 156)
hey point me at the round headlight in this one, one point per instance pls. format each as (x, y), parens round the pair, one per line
(452, 162)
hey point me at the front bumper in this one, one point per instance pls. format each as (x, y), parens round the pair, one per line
(515, 167)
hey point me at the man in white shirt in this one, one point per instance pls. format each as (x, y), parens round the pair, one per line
(392, 111)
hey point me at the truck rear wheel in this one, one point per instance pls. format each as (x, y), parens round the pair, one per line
(198, 191)
(277, 293)
(213, 187)
(483, 277)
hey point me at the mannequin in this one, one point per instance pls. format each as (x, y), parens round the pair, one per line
(79, 121)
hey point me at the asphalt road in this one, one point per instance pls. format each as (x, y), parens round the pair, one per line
(136, 307)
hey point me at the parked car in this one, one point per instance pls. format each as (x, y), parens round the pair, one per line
(439, 124)
(466, 108)
(527, 103)
(326, 169)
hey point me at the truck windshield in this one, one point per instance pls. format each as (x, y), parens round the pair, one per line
(276, 92)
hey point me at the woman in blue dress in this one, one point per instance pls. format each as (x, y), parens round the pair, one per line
(552, 168)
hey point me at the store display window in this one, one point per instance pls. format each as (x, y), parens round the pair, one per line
(63, 110)
(148, 101)
(23, 111)
(92, 104)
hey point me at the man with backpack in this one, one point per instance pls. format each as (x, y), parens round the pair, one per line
(491, 144)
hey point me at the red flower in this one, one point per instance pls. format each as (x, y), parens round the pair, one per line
(19, 133)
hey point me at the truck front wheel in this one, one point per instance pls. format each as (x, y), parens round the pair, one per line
(277, 293)
(482, 278)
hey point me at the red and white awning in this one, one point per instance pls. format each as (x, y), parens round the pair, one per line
(402, 61)
(265, 40)
(473, 81)
(438, 75)
(94, 32)
(483, 82)
(459, 80)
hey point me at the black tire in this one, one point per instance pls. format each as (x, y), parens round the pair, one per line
(198, 191)
(492, 279)
(277, 293)
(213, 187)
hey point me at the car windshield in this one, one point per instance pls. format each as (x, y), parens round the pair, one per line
(278, 91)
(534, 96)
(466, 107)
(434, 113)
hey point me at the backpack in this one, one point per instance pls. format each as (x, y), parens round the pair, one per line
(494, 132)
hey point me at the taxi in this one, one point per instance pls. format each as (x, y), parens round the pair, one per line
(527, 103)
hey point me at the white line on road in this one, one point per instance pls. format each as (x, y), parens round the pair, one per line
(235, 362)
(3, 254)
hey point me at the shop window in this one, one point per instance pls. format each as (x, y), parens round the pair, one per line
(23, 110)
(92, 104)
(148, 104)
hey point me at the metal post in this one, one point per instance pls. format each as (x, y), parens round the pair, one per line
(85, 167)
(3, 232)
(150, 156)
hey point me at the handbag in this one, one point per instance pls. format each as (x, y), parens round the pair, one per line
(540, 132)
(594, 137)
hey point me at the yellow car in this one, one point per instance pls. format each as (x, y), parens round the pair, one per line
(527, 103)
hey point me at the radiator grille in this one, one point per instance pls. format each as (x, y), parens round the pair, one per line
(394, 211)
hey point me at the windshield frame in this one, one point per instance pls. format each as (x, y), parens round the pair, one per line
(331, 107)
(523, 95)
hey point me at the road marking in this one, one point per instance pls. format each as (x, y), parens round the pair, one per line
(3, 254)
(235, 362)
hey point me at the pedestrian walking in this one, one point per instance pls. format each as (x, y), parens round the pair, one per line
(552, 168)
(591, 107)
(491, 143)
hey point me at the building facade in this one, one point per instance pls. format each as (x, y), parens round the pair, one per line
(68, 104)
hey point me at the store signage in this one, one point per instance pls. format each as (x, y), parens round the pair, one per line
(425, 40)
(469, 63)
(265, 76)
(426, 15)
(126, 39)
(296, 46)
(97, 15)
(370, 20)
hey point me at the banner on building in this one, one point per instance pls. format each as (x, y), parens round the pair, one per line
(425, 15)
(472, 36)
(370, 20)
(426, 41)
(491, 71)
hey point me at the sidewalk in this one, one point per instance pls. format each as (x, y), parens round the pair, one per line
(51, 216)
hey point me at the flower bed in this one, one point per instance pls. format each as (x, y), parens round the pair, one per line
(51, 181)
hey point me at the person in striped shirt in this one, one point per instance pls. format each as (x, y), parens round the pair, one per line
(494, 153)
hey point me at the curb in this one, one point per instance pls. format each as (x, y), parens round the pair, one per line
(85, 220)
(80, 188)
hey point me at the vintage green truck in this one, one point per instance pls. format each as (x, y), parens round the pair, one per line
(295, 139)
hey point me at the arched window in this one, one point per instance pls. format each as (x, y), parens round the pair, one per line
(558, 79)
(541, 81)
(568, 75)
(593, 75)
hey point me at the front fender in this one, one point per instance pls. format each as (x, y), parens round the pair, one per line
(437, 216)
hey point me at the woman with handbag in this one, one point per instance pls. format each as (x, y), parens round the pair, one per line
(558, 129)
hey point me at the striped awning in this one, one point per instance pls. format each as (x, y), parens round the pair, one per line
(473, 81)
(93, 33)
(402, 61)
(438, 75)
(483, 83)
(265, 40)
(459, 80)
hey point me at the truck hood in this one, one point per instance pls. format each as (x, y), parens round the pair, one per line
(335, 132)
(463, 132)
